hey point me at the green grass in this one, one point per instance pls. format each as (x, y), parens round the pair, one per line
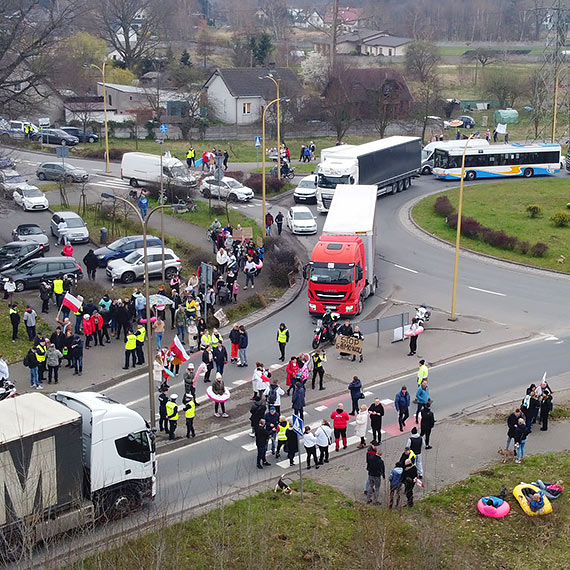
(329, 530)
(15, 351)
(254, 303)
(501, 206)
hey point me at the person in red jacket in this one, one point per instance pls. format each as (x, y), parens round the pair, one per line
(87, 330)
(292, 369)
(340, 421)
(96, 321)
(67, 250)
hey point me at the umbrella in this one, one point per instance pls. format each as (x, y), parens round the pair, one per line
(456, 123)
(160, 300)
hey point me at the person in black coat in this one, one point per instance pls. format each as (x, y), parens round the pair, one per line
(292, 445)
(14, 321)
(208, 360)
(521, 431)
(256, 413)
(427, 423)
(220, 357)
(261, 437)
(163, 415)
(122, 319)
(376, 411)
(58, 339)
(409, 477)
(512, 422)
(92, 263)
(545, 409)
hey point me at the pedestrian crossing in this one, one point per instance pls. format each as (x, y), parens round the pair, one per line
(108, 182)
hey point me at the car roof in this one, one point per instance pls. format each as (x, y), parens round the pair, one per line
(28, 226)
(21, 243)
(52, 259)
(153, 250)
(67, 214)
(300, 209)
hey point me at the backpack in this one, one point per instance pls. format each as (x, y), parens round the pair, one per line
(272, 396)
(26, 361)
(396, 477)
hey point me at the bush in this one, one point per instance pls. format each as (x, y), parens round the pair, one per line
(273, 185)
(561, 219)
(237, 174)
(471, 228)
(498, 238)
(451, 221)
(524, 247)
(280, 261)
(539, 249)
(443, 206)
(534, 210)
(90, 152)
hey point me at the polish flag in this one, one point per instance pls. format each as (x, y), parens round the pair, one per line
(72, 302)
(177, 349)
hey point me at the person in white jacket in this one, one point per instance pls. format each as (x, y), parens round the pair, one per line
(257, 383)
(222, 259)
(310, 442)
(362, 425)
(273, 393)
(324, 435)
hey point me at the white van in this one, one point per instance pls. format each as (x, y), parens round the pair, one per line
(427, 151)
(142, 169)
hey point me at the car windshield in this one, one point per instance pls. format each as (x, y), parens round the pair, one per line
(307, 184)
(32, 193)
(61, 133)
(302, 215)
(70, 167)
(179, 171)
(9, 251)
(425, 154)
(133, 257)
(74, 223)
(15, 179)
(332, 181)
(29, 230)
(234, 184)
(117, 245)
(332, 276)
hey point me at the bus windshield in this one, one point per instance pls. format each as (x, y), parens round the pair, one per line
(332, 181)
(332, 276)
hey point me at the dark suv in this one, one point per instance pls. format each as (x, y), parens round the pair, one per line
(29, 275)
(122, 247)
(55, 136)
(82, 136)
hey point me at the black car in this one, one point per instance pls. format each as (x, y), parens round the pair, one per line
(6, 162)
(17, 252)
(55, 136)
(122, 247)
(30, 274)
(81, 135)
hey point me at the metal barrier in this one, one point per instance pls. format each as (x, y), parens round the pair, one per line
(381, 324)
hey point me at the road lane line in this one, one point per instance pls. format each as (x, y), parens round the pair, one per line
(233, 436)
(249, 446)
(487, 291)
(240, 382)
(367, 394)
(387, 402)
(187, 446)
(321, 408)
(405, 268)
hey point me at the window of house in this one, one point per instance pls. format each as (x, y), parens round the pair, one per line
(246, 108)
(389, 52)
(110, 99)
(130, 98)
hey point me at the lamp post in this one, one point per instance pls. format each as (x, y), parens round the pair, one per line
(276, 81)
(458, 236)
(102, 70)
(150, 360)
(263, 157)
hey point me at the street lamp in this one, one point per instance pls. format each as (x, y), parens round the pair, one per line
(458, 236)
(150, 359)
(276, 81)
(102, 70)
(263, 154)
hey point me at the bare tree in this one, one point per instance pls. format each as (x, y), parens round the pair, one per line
(339, 110)
(205, 47)
(506, 84)
(277, 17)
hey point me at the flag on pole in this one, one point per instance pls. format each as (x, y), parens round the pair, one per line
(177, 349)
(72, 302)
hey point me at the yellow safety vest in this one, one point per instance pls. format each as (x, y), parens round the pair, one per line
(282, 433)
(190, 409)
(206, 339)
(171, 410)
(216, 340)
(58, 286)
(422, 373)
(282, 335)
(131, 342)
(12, 311)
(41, 352)
(191, 306)
(190, 154)
(140, 334)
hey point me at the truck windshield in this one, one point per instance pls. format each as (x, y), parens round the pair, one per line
(334, 276)
(332, 181)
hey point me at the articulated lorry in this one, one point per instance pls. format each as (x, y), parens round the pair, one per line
(389, 164)
(66, 461)
(341, 271)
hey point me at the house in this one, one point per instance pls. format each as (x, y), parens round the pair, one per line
(366, 88)
(352, 41)
(385, 45)
(306, 18)
(348, 18)
(238, 96)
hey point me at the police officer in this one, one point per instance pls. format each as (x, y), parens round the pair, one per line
(140, 334)
(319, 358)
(172, 415)
(130, 349)
(162, 401)
(15, 321)
(205, 339)
(282, 340)
(190, 156)
(41, 350)
(189, 413)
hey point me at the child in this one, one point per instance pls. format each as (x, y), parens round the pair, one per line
(396, 485)
(537, 502)
(235, 290)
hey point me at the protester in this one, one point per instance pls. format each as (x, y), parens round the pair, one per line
(376, 470)
(402, 405)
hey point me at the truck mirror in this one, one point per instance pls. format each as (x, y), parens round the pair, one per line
(351, 179)
(305, 272)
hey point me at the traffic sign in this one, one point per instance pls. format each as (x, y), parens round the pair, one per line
(163, 128)
(62, 151)
(297, 425)
(257, 142)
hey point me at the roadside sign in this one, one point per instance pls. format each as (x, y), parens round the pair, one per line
(257, 142)
(163, 128)
(297, 425)
(62, 151)
(219, 170)
(206, 274)
(44, 122)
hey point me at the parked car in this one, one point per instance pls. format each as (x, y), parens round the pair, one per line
(81, 135)
(122, 247)
(30, 274)
(11, 180)
(55, 136)
(228, 188)
(17, 252)
(76, 231)
(300, 220)
(31, 198)
(468, 122)
(58, 171)
(31, 232)
(16, 130)
(306, 190)
(6, 163)
(132, 266)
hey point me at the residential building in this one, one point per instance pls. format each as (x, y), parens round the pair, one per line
(385, 45)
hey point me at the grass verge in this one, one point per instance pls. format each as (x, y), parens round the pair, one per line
(329, 530)
(254, 303)
(502, 206)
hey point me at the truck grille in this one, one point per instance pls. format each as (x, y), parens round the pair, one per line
(330, 296)
(327, 201)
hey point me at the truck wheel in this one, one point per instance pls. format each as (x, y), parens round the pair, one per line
(360, 304)
(470, 175)
(134, 182)
(394, 188)
(426, 170)
(118, 504)
(407, 183)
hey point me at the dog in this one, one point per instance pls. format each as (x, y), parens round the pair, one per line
(561, 259)
(508, 454)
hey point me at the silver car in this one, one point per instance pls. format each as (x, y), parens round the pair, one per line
(132, 267)
(228, 188)
(76, 230)
(31, 232)
(58, 171)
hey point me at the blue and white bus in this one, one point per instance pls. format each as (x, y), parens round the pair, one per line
(497, 161)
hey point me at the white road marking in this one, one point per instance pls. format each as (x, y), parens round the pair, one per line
(368, 394)
(551, 338)
(199, 399)
(186, 446)
(321, 408)
(405, 268)
(303, 458)
(233, 436)
(487, 291)
(249, 446)
(240, 382)
(387, 402)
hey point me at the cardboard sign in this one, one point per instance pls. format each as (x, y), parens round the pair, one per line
(239, 234)
(349, 344)
(222, 318)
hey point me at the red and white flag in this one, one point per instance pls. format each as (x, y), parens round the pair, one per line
(72, 302)
(177, 349)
